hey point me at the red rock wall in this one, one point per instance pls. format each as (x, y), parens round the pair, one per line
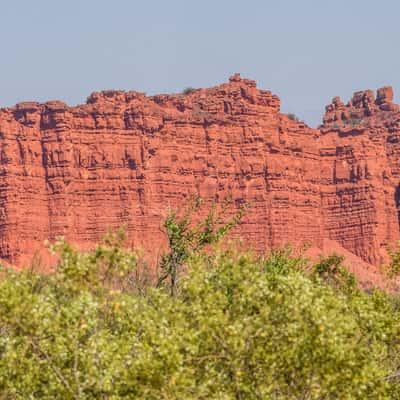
(360, 173)
(124, 158)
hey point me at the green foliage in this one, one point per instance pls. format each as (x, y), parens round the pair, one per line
(355, 121)
(188, 90)
(186, 238)
(107, 265)
(239, 327)
(293, 117)
(331, 270)
(393, 269)
(281, 262)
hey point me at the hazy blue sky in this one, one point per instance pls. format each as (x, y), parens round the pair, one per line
(306, 51)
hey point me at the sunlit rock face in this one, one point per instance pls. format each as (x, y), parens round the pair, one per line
(124, 158)
(360, 160)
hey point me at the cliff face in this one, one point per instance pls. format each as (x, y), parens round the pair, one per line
(125, 158)
(360, 156)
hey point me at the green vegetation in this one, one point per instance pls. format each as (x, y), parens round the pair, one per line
(392, 270)
(185, 238)
(233, 326)
(355, 121)
(188, 90)
(293, 117)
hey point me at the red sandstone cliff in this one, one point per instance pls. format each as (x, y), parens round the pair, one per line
(124, 158)
(360, 168)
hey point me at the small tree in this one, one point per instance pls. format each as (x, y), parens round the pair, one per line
(330, 269)
(393, 269)
(108, 265)
(293, 117)
(188, 90)
(186, 238)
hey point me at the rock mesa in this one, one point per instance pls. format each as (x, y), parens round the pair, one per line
(125, 158)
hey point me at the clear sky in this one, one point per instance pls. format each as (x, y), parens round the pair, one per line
(306, 51)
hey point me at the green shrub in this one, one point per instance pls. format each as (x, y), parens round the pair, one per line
(186, 238)
(293, 117)
(355, 121)
(331, 270)
(188, 90)
(393, 269)
(239, 327)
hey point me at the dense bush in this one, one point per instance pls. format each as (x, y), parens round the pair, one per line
(239, 327)
(236, 326)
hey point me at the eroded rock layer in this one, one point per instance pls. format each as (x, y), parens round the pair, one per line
(360, 155)
(125, 158)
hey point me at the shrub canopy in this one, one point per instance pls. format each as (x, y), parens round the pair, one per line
(239, 326)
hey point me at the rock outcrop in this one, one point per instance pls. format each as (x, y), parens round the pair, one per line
(125, 158)
(360, 155)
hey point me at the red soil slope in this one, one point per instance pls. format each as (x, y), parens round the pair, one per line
(124, 158)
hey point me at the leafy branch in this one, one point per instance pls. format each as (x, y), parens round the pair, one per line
(186, 238)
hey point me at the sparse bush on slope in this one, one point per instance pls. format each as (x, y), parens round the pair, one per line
(188, 90)
(238, 326)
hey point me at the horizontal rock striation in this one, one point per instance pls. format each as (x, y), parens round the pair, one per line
(124, 158)
(359, 148)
